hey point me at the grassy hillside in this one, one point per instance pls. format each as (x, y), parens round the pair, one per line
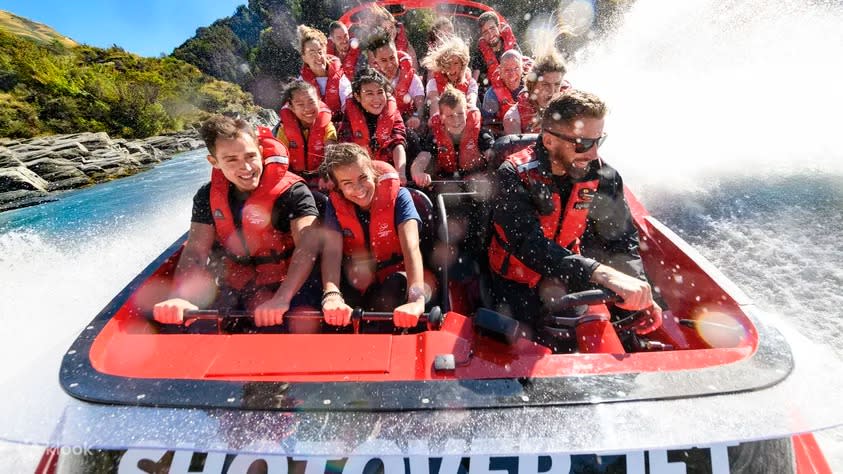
(49, 87)
(24, 27)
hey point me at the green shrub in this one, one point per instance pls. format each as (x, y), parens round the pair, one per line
(50, 88)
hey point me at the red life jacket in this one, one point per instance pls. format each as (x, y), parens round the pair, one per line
(383, 132)
(332, 88)
(527, 111)
(504, 95)
(442, 81)
(297, 145)
(406, 73)
(489, 57)
(384, 245)
(446, 155)
(401, 42)
(349, 62)
(257, 253)
(565, 227)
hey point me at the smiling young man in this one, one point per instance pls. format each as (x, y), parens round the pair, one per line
(341, 46)
(560, 220)
(495, 37)
(246, 224)
(397, 66)
(456, 146)
(545, 79)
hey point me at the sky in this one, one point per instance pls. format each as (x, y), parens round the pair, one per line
(144, 27)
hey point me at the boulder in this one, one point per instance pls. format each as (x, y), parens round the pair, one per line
(27, 153)
(32, 168)
(8, 158)
(264, 118)
(92, 141)
(75, 155)
(21, 178)
(56, 169)
(71, 146)
(74, 182)
(96, 173)
(141, 152)
(22, 198)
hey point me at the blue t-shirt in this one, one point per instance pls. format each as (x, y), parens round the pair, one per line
(491, 104)
(404, 211)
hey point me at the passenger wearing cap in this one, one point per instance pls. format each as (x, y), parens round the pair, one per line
(248, 224)
(561, 223)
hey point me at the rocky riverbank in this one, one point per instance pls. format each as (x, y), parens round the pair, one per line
(33, 170)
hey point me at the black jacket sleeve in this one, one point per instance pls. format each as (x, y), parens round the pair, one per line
(610, 236)
(514, 213)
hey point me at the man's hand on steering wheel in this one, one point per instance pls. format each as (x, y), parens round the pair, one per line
(647, 320)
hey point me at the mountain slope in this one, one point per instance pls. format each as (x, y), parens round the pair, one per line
(48, 87)
(25, 27)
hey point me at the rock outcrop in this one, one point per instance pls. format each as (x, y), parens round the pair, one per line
(32, 169)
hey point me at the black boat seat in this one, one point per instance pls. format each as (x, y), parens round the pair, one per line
(509, 144)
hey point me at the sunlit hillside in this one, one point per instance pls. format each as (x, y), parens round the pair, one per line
(37, 31)
(50, 84)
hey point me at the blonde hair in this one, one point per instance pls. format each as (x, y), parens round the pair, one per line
(306, 33)
(452, 47)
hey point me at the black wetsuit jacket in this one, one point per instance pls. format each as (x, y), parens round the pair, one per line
(609, 238)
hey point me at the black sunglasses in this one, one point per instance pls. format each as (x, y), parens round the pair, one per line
(582, 144)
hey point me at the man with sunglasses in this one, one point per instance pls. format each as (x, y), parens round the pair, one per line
(560, 222)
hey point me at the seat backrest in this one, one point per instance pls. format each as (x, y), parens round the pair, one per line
(427, 242)
(509, 144)
(427, 232)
